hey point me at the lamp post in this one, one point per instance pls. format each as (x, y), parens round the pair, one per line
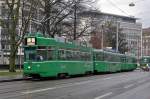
(102, 40)
(141, 41)
(117, 38)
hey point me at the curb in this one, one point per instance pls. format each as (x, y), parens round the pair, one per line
(11, 80)
(14, 79)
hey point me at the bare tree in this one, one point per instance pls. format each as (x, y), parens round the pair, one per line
(16, 31)
(55, 11)
(62, 13)
(78, 26)
(110, 37)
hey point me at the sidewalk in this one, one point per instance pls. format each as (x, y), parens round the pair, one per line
(6, 76)
(11, 78)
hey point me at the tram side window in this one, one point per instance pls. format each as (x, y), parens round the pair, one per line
(82, 56)
(61, 55)
(118, 58)
(99, 57)
(68, 55)
(114, 58)
(50, 54)
(77, 56)
(85, 56)
(123, 59)
(129, 59)
(41, 55)
(104, 57)
(88, 56)
(108, 57)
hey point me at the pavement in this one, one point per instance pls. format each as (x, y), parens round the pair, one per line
(126, 85)
(11, 78)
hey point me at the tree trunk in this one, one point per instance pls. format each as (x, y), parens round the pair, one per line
(12, 66)
(75, 21)
(13, 50)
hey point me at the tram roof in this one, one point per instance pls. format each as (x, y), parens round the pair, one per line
(45, 41)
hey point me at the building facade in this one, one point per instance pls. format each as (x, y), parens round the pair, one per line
(146, 41)
(130, 28)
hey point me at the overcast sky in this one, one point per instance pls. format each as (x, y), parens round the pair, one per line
(121, 7)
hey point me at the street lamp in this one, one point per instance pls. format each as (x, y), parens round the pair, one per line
(131, 4)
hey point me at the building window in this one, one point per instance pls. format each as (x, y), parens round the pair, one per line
(3, 46)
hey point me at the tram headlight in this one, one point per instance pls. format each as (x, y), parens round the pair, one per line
(29, 67)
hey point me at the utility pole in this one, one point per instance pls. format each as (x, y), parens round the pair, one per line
(102, 40)
(141, 41)
(117, 36)
(75, 20)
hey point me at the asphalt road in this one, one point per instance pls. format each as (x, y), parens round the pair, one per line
(127, 85)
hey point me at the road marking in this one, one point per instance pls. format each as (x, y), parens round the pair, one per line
(102, 96)
(107, 78)
(56, 87)
(128, 86)
(61, 86)
(64, 85)
(141, 81)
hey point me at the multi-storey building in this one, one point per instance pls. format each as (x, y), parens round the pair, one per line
(146, 42)
(129, 26)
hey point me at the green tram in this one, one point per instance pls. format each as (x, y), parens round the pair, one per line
(144, 61)
(105, 61)
(47, 57)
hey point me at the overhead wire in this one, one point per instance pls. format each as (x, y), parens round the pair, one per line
(138, 1)
(113, 4)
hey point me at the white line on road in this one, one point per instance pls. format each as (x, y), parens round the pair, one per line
(128, 86)
(35, 91)
(107, 78)
(102, 96)
(56, 87)
(62, 86)
(141, 81)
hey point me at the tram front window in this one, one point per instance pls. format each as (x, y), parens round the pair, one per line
(34, 57)
(31, 57)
